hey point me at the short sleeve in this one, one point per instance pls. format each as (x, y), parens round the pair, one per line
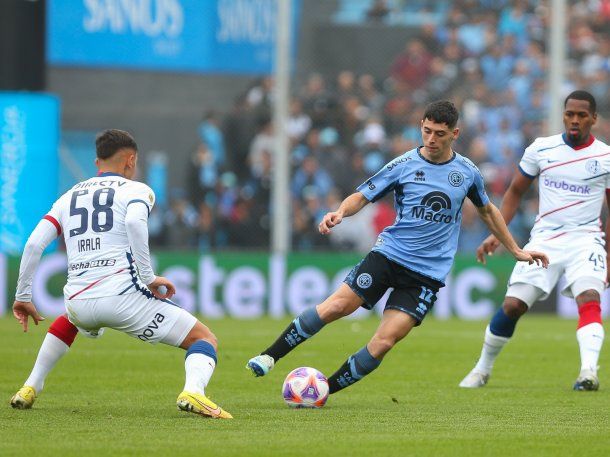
(384, 181)
(476, 192)
(143, 195)
(528, 165)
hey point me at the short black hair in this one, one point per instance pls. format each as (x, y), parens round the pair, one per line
(442, 112)
(582, 95)
(109, 142)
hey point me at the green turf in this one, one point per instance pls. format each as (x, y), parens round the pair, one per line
(115, 396)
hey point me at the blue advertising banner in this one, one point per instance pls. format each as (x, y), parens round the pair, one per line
(207, 36)
(29, 137)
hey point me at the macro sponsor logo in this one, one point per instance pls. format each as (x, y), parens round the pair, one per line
(562, 185)
(432, 208)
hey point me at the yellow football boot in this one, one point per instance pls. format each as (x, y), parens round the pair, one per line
(24, 398)
(200, 404)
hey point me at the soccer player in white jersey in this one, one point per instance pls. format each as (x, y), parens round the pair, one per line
(111, 283)
(573, 171)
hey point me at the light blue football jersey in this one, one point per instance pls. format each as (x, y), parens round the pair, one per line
(428, 201)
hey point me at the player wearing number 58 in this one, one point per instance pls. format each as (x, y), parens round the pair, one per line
(111, 283)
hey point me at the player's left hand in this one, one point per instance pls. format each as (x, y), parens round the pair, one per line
(539, 258)
(161, 282)
(22, 310)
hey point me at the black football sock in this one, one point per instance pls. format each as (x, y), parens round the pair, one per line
(353, 370)
(306, 325)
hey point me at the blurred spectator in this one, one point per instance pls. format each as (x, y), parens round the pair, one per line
(180, 222)
(210, 134)
(379, 11)
(411, 68)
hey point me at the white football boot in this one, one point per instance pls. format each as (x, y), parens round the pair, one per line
(474, 380)
(587, 380)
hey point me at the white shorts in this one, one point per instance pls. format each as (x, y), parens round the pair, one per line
(148, 319)
(581, 256)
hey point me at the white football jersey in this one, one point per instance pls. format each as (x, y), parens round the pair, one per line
(91, 217)
(572, 184)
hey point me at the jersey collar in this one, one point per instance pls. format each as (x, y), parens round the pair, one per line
(108, 173)
(586, 144)
(434, 163)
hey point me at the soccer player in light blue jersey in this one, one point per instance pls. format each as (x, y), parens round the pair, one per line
(413, 256)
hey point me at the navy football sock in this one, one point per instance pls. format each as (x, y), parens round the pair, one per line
(502, 325)
(303, 327)
(353, 370)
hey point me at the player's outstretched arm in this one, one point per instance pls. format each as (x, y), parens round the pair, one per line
(39, 239)
(495, 222)
(510, 203)
(348, 207)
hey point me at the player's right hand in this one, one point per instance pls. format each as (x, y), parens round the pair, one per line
(22, 310)
(165, 284)
(329, 221)
(487, 247)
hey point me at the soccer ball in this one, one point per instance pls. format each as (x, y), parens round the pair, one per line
(305, 387)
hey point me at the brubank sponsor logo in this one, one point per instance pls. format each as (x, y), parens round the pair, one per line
(577, 188)
(432, 208)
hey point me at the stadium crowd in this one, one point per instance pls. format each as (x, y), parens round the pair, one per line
(492, 62)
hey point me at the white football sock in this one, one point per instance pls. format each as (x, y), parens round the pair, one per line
(492, 345)
(199, 369)
(590, 339)
(51, 350)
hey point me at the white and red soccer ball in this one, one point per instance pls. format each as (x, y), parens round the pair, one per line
(305, 387)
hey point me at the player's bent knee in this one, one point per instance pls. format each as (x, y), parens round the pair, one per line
(588, 296)
(199, 332)
(514, 308)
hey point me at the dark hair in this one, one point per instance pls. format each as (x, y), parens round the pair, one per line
(109, 142)
(442, 112)
(582, 95)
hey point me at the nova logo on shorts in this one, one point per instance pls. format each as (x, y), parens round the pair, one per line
(364, 280)
(149, 331)
(432, 208)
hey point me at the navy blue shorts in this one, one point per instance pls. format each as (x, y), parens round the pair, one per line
(413, 293)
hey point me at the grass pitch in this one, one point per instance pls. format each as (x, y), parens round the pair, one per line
(115, 396)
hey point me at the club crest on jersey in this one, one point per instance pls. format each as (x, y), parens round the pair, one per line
(364, 280)
(456, 178)
(432, 208)
(592, 166)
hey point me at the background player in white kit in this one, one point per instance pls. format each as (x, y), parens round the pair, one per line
(573, 171)
(111, 282)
